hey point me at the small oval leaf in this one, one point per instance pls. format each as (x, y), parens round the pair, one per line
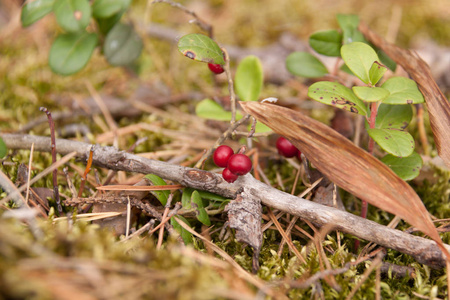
(106, 8)
(327, 42)
(402, 91)
(71, 52)
(209, 109)
(393, 141)
(185, 235)
(35, 10)
(349, 25)
(201, 48)
(370, 94)
(407, 168)
(197, 203)
(305, 65)
(162, 196)
(376, 72)
(249, 79)
(393, 116)
(72, 15)
(335, 94)
(359, 57)
(122, 45)
(3, 148)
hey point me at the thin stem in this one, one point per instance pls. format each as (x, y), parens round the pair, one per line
(55, 171)
(230, 86)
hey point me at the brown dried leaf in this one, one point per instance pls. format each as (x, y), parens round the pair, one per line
(350, 167)
(437, 104)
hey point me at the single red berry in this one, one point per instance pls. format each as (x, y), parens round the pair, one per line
(216, 68)
(228, 176)
(221, 155)
(286, 148)
(239, 164)
(299, 156)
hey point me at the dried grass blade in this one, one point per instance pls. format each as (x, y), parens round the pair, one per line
(350, 167)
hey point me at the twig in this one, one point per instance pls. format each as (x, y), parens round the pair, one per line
(55, 171)
(425, 251)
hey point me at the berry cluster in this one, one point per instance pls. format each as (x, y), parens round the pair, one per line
(234, 164)
(286, 149)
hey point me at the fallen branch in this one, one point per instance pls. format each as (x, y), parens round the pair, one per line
(423, 250)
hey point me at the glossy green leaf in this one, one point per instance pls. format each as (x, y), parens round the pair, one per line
(376, 72)
(403, 91)
(327, 42)
(3, 148)
(185, 235)
(107, 8)
(35, 10)
(72, 15)
(211, 196)
(201, 48)
(305, 65)
(335, 94)
(186, 198)
(71, 52)
(396, 142)
(162, 196)
(249, 78)
(209, 109)
(261, 128)
(370, 94)
(359, 57)
(349, 25)
(406, 168)
(386, 60)
(393, 116)
(197, 203)
(122, 45)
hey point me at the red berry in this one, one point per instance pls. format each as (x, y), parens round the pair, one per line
(239, 164)
(228, 176)
(286, 148)
(216, 68)
(221, 155)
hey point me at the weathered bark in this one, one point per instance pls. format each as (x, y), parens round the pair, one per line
(423, 250)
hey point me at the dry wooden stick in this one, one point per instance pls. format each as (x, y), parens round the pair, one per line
(423, 250)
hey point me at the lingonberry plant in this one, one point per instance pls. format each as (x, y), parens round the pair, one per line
(72, 49)
(386, 107)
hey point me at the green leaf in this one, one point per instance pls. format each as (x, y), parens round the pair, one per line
(35, 10)
(186, 198)
(201, 48)
(185, 235)
(376, 72)
(335, 94)
(386, 60)
(162, 196)
(197, 203)
(305, 65)
(107, 8)
(396, 142)
(359, 57)
(211, 196)
(393, 116)
(71, 52)
(122, 45)
(370, 94)
(260, 128)
(327, 42)
(249, 78)
(403, 91)
(349, 25)
(3, 148)
(209, 109)
(72, 15)
(406, 168)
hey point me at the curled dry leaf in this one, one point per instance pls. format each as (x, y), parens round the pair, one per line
(350, 167)
(437, 104)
